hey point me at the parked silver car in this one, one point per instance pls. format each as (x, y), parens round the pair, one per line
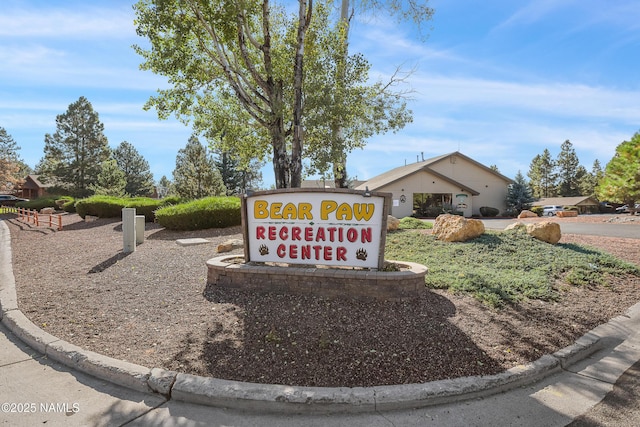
(551, 210)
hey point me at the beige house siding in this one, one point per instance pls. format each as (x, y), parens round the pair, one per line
(492, 187)
(454, 174)
(421, 182)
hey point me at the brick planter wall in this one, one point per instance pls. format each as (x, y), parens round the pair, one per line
(328, 282)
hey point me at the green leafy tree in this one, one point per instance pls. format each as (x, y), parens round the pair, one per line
(519, 195)
(11, 166)
(136, 170)
(568, 170)
(542, 175)
(342, 108)
(621, 180)
(196, 175)
(238, 66)
(224, 57)
(379, 106)
(73, 155)
(111, 180)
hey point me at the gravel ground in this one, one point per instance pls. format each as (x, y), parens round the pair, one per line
(153, 307)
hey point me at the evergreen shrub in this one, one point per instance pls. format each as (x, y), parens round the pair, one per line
(144, 206)
(111, 207)
(39, 203)
(100, 206)
(209, 212)
(488, 211)
(69, 206)
(432, 211)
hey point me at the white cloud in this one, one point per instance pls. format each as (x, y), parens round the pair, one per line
(82, 23)
(555, 99)
(533, 12)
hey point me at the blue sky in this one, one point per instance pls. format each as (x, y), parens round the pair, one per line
(498, 80)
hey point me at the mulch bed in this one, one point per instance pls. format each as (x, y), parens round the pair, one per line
(153, 307)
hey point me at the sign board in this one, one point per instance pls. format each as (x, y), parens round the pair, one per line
(333, 227)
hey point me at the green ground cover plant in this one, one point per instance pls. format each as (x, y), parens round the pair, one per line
(505, 267)
(411, 223)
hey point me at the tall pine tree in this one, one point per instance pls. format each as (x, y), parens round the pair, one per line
(196, 175)
(136, 170)
(111, 180)
(73, 155)
(621, 180)
(542, 175)
(567, 166)
(237, 178)
(10, 163)
(589, 180)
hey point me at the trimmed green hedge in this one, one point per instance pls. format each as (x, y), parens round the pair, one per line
(39, 203)
(111, 207)
(210, 212)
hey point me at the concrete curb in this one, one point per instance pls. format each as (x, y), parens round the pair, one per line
(266, 398)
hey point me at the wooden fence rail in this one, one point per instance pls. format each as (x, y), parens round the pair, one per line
(32, 216)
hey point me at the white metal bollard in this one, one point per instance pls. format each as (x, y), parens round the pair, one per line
(139, 229)
(128, 230)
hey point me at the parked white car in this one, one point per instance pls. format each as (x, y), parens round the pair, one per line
(551, 210)
(625, 208)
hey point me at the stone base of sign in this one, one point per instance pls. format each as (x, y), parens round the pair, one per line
(231, 272)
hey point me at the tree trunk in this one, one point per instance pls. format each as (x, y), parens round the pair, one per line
(340, 158)
(304, 19)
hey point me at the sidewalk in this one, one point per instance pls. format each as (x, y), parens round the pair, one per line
(75, 399)
(34, 389)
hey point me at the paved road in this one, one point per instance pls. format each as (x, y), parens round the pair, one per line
(629, 230)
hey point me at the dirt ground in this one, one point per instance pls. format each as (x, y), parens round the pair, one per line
(153, 307)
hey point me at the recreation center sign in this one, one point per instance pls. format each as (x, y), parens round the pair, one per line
(335, 227)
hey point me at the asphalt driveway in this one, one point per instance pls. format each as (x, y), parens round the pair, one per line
(592, 228)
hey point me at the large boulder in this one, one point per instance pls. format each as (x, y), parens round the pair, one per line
(392, 223)
(547, 231)
(454, 228)
(527, 214)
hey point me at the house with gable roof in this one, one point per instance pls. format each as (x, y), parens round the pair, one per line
(451, 181)
(33, 188)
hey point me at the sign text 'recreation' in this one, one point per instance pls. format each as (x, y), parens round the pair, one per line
(316, 227)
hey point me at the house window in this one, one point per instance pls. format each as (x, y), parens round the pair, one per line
(431, 204)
